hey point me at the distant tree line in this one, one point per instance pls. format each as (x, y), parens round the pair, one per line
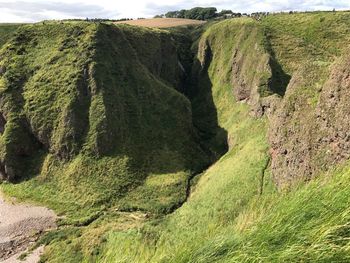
(208, 13)
(200, 13)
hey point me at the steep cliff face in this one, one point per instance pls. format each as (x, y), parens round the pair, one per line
(84, 100)
(311, 136)
(308, 131)
(255, 74)
(158, 49)
(247, 71)
(256, 77)
(283, 67)
(332, 115)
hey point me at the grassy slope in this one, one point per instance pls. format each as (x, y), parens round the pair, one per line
(318, 36)
(6, 32)
(226, 220)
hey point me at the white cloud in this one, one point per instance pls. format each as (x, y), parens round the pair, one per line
(36, 10)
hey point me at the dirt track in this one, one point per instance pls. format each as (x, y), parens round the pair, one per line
(20, 226)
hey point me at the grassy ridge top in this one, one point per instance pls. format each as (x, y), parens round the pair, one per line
(296, 38)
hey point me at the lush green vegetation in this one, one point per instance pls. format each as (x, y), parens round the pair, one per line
(198, 13)
(308, 224)
(314, 40)
(235, 213)
(119, 178)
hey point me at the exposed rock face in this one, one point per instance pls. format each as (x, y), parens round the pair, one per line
(256, 76)
(308, 137)
(250, 69)
(333, 114)
(309, 112)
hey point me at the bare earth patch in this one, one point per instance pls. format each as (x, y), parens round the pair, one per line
(162, 22)
(20, 227)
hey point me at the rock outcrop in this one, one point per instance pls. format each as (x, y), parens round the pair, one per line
(310, 135)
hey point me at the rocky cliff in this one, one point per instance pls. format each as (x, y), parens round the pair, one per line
(300, 85)
(99, 102)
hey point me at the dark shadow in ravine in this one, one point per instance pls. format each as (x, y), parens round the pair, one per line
(280, 79)
(205, 117)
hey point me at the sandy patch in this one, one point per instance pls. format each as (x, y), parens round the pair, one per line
(20, 227)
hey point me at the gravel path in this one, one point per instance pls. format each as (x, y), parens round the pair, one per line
(20, 226)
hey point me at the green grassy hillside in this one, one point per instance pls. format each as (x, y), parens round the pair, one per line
(117, 147)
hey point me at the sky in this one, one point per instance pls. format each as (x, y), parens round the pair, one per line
(37, 10)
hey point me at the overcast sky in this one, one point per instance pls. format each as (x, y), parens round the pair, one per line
(37, 10)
